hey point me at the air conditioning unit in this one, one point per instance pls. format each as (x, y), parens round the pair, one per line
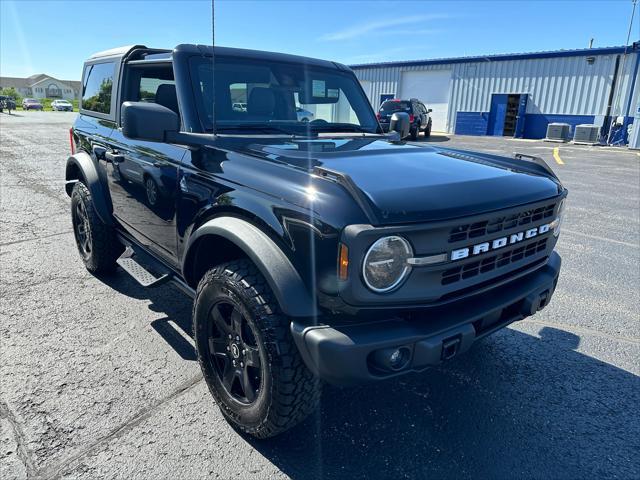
(558, 132)
(586, 134)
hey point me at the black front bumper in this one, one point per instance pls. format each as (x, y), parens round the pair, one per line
(343, 355)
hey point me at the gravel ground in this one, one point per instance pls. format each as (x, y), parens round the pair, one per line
(98, 378)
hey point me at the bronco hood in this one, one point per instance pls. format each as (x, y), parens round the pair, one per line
(403, 183)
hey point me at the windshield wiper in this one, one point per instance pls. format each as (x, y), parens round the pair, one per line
(338, 127)
(254, 127)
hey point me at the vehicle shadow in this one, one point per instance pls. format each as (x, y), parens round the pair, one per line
(165, 299)
(516, 405)
(436, 138)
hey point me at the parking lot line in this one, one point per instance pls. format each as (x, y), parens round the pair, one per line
(556, 156)
(603, 239)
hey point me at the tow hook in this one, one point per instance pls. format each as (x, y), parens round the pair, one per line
(450, 348)
(535, 302)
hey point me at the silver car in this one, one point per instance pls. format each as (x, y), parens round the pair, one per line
(61, 106)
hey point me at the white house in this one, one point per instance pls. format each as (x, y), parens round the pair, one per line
(42, 86)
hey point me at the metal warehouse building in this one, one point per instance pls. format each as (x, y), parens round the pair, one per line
(516, 94)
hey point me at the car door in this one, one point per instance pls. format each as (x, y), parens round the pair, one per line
(143, 175)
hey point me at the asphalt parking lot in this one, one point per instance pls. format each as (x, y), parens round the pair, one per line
(98, 378)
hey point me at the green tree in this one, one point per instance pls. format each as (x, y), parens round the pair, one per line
(10, 92)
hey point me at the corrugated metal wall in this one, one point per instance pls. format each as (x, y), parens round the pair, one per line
(558, 85)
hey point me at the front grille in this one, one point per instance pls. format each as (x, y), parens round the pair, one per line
(472, 269)
(498, 224)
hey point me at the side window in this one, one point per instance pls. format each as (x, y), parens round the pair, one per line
(97, 87)
(339, 112)
(239, 94)
(149, 87)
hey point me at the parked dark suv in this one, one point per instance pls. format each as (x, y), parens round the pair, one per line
(318, 250)
(419, 117)
(7, 103)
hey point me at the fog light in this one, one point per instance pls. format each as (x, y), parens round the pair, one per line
(392, 359)
(396, 358)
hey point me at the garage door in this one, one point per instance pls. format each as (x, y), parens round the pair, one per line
(432, 88)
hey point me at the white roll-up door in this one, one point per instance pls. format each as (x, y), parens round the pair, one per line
(431, 87)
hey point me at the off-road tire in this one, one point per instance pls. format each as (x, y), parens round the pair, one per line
(427, 132)
(288, 392)
(105, 247)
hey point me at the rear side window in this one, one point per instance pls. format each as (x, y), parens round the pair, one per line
(395, 106)
(98, 87)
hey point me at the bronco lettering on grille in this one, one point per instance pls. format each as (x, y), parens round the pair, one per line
(484, 247)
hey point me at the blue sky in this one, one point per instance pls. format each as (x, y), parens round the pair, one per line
(55, 37)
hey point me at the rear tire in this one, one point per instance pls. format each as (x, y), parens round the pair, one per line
(414, 133)
(97, 243)
(254, 372)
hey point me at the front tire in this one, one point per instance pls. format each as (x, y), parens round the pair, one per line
(97, 243)
(247, 354)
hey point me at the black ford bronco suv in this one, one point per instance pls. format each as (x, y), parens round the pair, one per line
(323, 250)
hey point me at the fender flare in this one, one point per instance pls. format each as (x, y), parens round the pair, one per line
(285, 281)
(88, 173)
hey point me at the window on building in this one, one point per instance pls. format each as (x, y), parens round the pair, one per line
(97, 87)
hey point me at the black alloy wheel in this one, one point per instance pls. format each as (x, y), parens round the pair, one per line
(82, 230)
(233, 352)
(247, 353)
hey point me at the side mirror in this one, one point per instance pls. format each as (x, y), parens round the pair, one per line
(148, 121)
(400, 123)
(429, 110)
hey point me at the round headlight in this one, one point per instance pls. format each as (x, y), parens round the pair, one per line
(557, 223)
(385, 264)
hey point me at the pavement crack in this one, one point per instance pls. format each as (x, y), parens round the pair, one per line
(58, 470)
(22, 451)
(34, 185)
(35, 238)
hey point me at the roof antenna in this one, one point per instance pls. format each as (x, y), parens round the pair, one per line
(213, 67)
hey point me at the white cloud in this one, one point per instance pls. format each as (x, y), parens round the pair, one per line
(375, 25)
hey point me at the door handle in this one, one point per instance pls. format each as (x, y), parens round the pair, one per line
(114, 157)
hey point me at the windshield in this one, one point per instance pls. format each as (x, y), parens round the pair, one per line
(395, 106)
(269, 97)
